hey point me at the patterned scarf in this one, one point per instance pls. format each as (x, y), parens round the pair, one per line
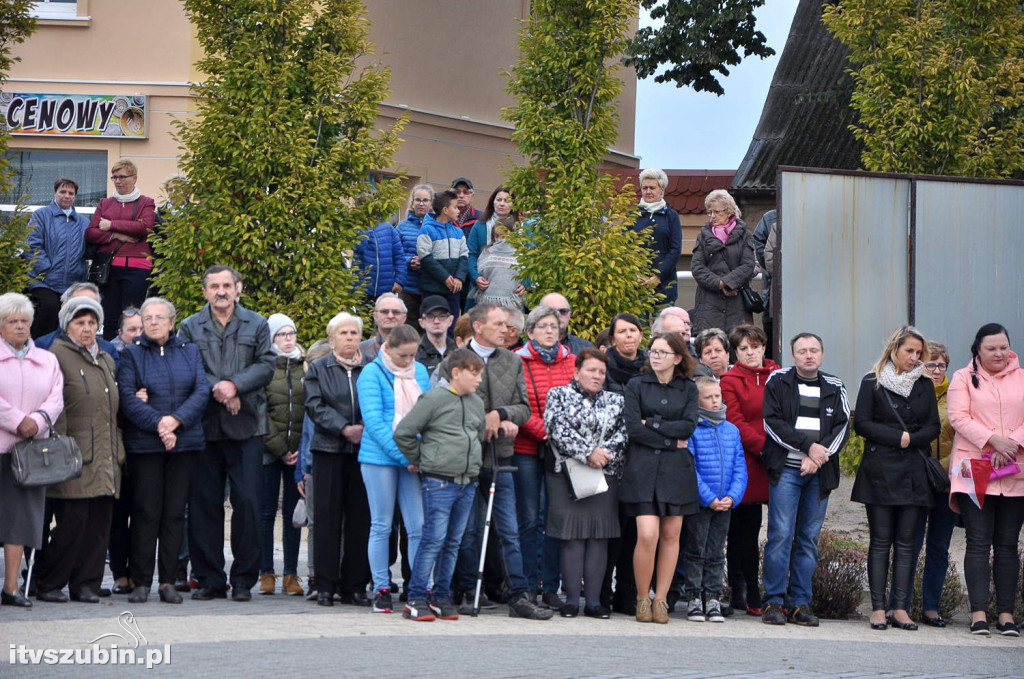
(548, 356)
(901, 383)
(407, 389)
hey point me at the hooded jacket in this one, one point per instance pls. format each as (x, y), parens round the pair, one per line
(381, 260)
(743, 393)
(286, 403)
(443, 252)
(175, 382)
(58, 244)
(443, 434)
(995, 407)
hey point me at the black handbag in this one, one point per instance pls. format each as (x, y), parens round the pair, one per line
(753, 303)
(99, 263)
(938, 478)
(44, 462)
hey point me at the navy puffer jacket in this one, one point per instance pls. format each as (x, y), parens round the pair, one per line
(381, 259)
(409, 231)
(176, 383)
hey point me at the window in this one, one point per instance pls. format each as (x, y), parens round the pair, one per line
(55, 9)
(35, 172)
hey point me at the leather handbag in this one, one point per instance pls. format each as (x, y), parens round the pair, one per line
(99, 266)
(44, 462)
(938, 477)
(584, 481)
(753, 303)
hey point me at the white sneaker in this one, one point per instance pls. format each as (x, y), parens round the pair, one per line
(714, 612)
(695, 612)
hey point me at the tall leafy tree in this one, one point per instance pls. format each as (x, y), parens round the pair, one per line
(16, 24)
(695, 40)
(284, 143)
(579, 240)
(939, 84)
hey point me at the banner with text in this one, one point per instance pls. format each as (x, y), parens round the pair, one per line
(75, 115)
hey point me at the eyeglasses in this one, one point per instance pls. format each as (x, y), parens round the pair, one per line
(564, 312)
(151, 319)
(661, 353)
(712, 213)
(437, 317)
(119, 177)
(286, 334)
(128, 313)
(935, 366)
(390, 312)
(421, 200)
(546, 326)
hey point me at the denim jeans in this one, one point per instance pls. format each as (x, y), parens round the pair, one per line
(529, 480)
(273, 474)
(307, 480)
(795, 516)
(385, 483)
(940, 521)
(704, 553)
(446, 508)
(503, 521)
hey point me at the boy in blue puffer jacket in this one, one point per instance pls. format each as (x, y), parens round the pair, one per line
(721, 479)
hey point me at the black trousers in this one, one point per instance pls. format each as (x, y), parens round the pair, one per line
(75, 554)
(891, 527)
(743, 553)
(340, 504)
(240, 463)
(120, 546)
(46, 303)
(127, 286)
(994, 529)
(620, 560)
(158, 513)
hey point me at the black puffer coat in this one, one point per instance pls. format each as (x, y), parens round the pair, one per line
(888, 474)
(286, 400)
(655, 466)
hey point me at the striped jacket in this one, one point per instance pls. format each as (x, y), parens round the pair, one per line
(443, 252)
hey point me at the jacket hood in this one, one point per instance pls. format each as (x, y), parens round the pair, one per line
(756, 375)
(1012, 365)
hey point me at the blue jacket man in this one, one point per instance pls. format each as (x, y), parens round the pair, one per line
(57, 245)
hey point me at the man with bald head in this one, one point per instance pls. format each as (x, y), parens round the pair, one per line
(559, 303)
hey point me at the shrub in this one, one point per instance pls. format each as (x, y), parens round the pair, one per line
(952, 592)
(838, 581)
(851, 454)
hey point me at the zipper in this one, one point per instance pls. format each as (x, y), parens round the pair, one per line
(352, 400)
(469, 437)
(84, 381)
(288, 378)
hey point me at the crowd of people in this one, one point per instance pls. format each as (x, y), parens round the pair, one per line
(631, 475)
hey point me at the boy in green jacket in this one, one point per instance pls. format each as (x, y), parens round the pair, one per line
(442, 437)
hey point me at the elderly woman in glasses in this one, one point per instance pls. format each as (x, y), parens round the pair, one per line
(120, 227)
(666, 241)
(723, 262)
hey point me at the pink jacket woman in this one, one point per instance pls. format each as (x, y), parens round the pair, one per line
(996, 407)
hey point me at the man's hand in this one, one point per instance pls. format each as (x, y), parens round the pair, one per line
(491, 423)
(652, 281)
(413, 468)
(234, 405)
(808, 466)
(354, 433)
(818, 453)
(509, 428)
(682, 443)
(27, 428)
(224, 390)
(396, 288)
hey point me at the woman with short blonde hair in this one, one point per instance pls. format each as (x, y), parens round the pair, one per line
(723, 263)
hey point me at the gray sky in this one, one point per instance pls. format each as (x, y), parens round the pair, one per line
(679, 129)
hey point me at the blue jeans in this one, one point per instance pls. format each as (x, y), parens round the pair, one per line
(529, 480)
(290, 535)
(383, 484)
(446, 508)
(795, 516)
(503, 519)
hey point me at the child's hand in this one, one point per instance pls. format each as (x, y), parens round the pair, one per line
(413, 468)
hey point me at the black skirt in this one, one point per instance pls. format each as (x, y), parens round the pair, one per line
(658, 508)
(21, 509)
(592, 518)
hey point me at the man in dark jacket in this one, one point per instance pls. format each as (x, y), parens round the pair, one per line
(57, 245)
(239, 363)
(806, 417)
(503, 390)
(435, 319)
(559, 303)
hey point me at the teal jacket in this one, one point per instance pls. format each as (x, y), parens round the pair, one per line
(443, 434)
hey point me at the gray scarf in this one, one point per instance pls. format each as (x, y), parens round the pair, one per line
(712, 416)
(902, 383)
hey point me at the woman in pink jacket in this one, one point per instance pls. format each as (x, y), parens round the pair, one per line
(30, 381)
(986, 409)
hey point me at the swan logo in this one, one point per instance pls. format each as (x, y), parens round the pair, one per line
(126, 647)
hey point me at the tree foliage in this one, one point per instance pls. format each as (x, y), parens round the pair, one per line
(284, 140)
(939, 84)
(697, 39)
(16, 24)
(580, 242)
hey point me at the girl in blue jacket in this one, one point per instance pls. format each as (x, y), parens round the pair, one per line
(388, 388)
(721, 479)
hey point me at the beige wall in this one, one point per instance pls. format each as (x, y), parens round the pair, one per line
(446, 58)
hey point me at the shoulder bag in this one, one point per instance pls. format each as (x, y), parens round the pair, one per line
(938, 478)
(753, 303)
(99, 265)
(44, 462)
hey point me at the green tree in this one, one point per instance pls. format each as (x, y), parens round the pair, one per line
(283, 143)
(696, 39)
(580, 242)
(939, 84)
(16, 24)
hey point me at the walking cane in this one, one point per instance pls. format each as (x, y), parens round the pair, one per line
(30, 558)
(495, 470)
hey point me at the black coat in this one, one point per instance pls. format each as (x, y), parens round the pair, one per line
(888, 474)
(621, 370)
(655, 467)
(332, 404)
